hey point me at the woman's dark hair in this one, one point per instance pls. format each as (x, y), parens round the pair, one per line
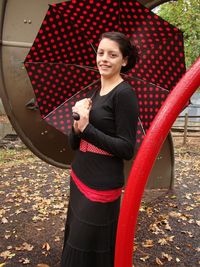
(127, 48)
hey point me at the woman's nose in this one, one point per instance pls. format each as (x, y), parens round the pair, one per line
(104, 57)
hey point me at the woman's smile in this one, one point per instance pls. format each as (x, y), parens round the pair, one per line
(104, 67)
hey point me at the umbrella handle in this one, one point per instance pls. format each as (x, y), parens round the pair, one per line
(76, 116)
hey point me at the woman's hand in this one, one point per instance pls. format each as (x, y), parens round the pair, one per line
(82, 107)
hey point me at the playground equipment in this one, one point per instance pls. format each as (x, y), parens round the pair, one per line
(143, 163)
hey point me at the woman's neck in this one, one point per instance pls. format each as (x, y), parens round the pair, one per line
(108, 84)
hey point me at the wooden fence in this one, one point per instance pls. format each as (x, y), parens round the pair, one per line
(187, 128)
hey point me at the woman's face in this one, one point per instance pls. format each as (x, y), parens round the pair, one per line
(109, 58)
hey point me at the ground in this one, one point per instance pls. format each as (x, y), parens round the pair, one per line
(34, 198)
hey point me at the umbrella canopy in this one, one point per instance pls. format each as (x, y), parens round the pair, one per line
(62, 61)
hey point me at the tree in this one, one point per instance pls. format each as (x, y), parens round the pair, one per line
(185, 15)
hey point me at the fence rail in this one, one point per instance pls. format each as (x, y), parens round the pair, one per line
(187, 127)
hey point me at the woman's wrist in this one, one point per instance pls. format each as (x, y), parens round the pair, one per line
(82, 128)
(76, 129)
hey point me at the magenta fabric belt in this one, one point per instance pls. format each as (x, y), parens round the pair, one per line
(85, 146)
(96, 195)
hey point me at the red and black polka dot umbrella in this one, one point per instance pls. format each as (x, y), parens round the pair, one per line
(62, 61)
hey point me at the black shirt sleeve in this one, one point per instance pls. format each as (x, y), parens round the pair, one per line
(126, 114)
(74, 139)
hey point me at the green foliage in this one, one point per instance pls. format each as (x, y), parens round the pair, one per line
(185, 14)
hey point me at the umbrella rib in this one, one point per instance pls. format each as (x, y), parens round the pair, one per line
(142, 126)
(93, 47)
(71, 98)
(119, 21)
(136, 78)
(85, 67)
(58, 63)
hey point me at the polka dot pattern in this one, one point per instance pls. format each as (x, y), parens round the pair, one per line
(160, 45)
(87, 147)
(61, 118)
(150, 99)
(61, 62)
(55, 83)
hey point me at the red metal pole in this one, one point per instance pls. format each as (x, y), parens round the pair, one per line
(143, 163)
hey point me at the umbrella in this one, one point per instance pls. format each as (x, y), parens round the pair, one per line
(61, 63)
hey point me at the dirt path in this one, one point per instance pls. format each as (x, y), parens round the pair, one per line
(34, 197)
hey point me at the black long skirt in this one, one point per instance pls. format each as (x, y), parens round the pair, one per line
(90, 231)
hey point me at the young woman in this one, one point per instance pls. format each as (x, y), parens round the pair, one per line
(103, 136)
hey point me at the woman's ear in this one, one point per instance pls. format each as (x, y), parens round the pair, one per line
(125, 60)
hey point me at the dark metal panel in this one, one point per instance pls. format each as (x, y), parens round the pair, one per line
(162, 174)
(16, 90)
(23, 18)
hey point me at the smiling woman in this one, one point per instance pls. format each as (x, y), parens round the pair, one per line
(103, 137)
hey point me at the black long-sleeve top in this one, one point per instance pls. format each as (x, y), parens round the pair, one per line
(112, 127)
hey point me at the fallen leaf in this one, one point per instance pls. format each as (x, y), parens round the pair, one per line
(7, 236)
(144, 258)
(149, 211)
(4, 220)
(7, 255)
(166, 256)
(24, 246)
(162, 241)
(57, 238)
(24, 261)
(135, 247)
(189, 208)
(46, 246)
(187, 232)
(148, 243)
(168, 227)
(42, 265)
(198, 223)
(2, 212)
(159, 262)
(173, 205)
(170, 238)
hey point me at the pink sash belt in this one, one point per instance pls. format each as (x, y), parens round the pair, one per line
(85, 146)
(96, 195)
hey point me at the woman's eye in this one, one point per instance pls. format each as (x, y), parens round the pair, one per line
(113, 55)
(99, 53)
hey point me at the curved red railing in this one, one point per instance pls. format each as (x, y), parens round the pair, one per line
(143, 163)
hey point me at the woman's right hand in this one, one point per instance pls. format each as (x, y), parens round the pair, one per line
(82, 107)
(83, 103)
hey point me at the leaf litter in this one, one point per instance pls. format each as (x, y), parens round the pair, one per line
(171, 221)
(34, 199)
